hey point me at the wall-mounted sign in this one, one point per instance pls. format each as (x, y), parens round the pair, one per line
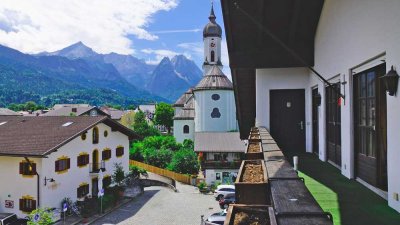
(9, 204)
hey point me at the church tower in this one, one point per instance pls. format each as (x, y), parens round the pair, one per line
(212, 34)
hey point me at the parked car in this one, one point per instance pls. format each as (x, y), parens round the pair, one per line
(216, 218)
(227, 200)
(223, 190)
(11, 219)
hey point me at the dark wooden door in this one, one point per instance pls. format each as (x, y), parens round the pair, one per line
(95, 187)
(315, 122)
(333, 124)
(287, 119)
(370, 127)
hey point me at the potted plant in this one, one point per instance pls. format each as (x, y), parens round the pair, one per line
(245, 214)
(251, 186)
(202, 187)
(254, 151)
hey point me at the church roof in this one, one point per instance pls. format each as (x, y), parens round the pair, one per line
(183, 99)
(187, 113)
(212, 29)
(214, 79)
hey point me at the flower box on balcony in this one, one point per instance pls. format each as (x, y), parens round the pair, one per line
(245, 214)
(254, 137)
(254, 150)
(251, 186)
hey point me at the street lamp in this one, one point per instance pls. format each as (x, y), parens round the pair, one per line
(391, 81)
(48, 179)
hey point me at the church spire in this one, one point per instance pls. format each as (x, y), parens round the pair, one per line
(212, 16)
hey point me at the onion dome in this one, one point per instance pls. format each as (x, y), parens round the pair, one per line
(212, 29)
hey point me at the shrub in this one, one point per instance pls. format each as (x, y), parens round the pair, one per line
(202, 185)
(46, 216)
(119, 175)
(159, 158)
(136, 150)
(184, 161)
(135, 172)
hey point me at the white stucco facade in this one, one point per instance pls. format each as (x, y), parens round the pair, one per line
(205, 105)
(229, 178)
(352, 36)
(66, 183)
(179, 132)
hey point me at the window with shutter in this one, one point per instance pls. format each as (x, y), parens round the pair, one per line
(27, 204)
(83, 160)
(119, 152)
(106, 154)
(26, 168)
(83, 190)
(62, 165)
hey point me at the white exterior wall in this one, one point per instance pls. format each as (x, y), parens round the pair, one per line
(349, 34)
(14, 185)
(204, 106)
(210, 174)
(207, 52)
(65, 184)
(178, 130)
(278, 79)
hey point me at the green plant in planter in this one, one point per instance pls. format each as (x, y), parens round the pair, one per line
(202, 186)
(45, 217)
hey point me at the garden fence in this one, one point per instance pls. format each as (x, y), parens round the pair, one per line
(184, 178)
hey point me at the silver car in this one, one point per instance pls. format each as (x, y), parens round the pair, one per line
(216, 218)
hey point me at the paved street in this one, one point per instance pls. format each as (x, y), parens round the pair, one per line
(161, 206)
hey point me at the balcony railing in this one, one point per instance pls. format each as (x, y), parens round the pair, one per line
(221, 164)
(95, 168)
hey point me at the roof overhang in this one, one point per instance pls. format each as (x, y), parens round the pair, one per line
(294, 22)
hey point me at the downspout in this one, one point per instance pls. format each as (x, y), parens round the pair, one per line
(38, 183)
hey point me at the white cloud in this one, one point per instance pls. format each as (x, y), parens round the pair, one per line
(176, 31)
(37, 25)
(159, 54)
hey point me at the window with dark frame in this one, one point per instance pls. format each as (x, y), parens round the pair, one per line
(186, 129)
(212, 56)
(95, 135)
(83, 160)
(106, 154)
(62, 164)
(82, 191)
(215, 113)
(119, 151)
(106, 181)
(27, 169)
(215, 97)
(27, 205)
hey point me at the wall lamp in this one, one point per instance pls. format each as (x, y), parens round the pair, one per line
(51, 180)
(390, 81)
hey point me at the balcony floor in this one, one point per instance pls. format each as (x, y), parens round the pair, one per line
(349, 201)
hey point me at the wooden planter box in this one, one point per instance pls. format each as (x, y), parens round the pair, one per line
(250, 192)
(254, 154)
(254, 129)
(254, 137)
(252, 211)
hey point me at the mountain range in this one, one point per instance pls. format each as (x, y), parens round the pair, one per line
(78, 74)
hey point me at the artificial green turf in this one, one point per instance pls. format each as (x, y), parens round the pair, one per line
(348, 201)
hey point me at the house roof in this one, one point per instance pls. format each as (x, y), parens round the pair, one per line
(115, 114)
(221, 142)
(69, 110)
(214, 79)
(39, 136)
(148, 108)
(188, 111)
(8, 112)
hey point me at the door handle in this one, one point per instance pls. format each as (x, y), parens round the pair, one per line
(301, 124)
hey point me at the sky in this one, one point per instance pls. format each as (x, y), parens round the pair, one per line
(147, 29)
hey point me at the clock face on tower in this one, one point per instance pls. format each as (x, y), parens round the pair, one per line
(212, 45)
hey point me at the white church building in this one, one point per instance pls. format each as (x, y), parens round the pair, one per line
(209, 107)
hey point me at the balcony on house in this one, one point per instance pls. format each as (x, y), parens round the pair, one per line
(94, 168)
(221, 160)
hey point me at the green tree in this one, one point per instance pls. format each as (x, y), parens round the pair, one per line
(45, 217)
(164, 115)
(159, 158)
(118, 176)
(184, 161)
(141, 127)
(188, 144)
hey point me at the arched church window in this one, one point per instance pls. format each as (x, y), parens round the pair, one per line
(186, 129)
(212, 56)
(215, 113)
(215, 97)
